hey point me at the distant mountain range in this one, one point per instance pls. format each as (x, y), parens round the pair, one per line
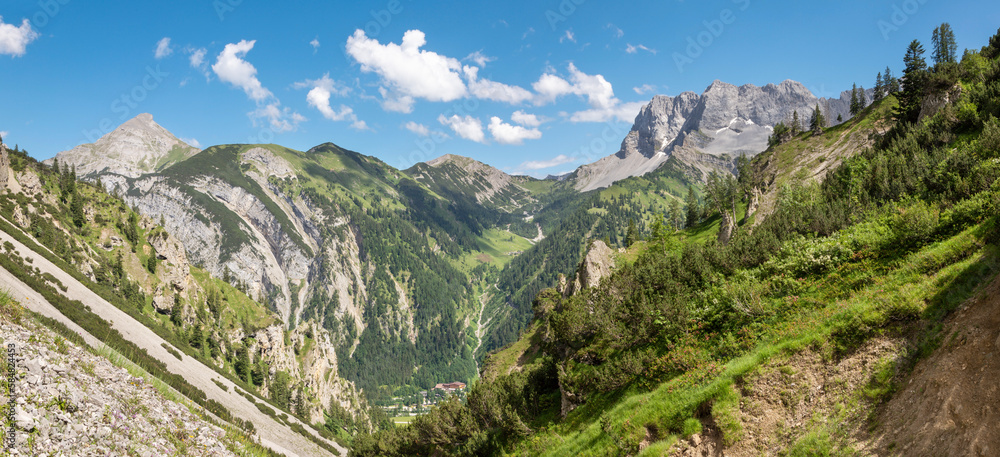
(707, 130)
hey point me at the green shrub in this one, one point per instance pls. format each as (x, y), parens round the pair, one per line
(914, 225)
(989, 141)
(803, 256)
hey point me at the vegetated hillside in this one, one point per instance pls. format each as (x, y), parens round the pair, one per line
(342, 247)
(568, 220)
(791, 338)
(139, 267)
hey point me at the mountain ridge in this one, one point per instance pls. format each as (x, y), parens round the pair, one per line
(725, 120)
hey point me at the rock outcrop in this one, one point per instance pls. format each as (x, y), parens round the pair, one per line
(594, 267)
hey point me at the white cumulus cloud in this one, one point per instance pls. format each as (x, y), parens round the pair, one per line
(560, 159)
(525, 119)
(505, 133)
(197, 57)
(630, 49)
(495, 91)
(409, 72)
(231, 68)
(279, 119)
(479, 58)
(163, 48)
(419, 129)
(644, 89)
(625, 112)
(597, 90)
(315, 44)
(14, 40)
(466, 127)
(321, 90)
(568, 36)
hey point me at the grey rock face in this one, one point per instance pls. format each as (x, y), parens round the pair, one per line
(138, 146)
(725, 120)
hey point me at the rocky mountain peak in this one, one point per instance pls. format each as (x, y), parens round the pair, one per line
(136, 147)
(487, 183)
(724, 121)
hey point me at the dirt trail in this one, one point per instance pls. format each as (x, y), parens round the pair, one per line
(950, 405)
(271, 433)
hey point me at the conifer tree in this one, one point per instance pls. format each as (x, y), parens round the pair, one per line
(692, 207)
(196, 337)
(242, 365)
(632, 235)
(175, 312)
(817, 121)
(677, 214)
(891, 83)
(914, 76)
(992, 49)
(76, 210)
(879, 87)
(855, 105)
(151, 264)
(945, 47)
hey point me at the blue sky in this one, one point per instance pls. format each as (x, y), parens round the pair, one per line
(533, 87)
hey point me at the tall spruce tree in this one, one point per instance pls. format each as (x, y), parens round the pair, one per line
(817, 121)
(879, 87)
(891, 83)
(945, 47)
(76, 210)
(914, 78)
(855, 104)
